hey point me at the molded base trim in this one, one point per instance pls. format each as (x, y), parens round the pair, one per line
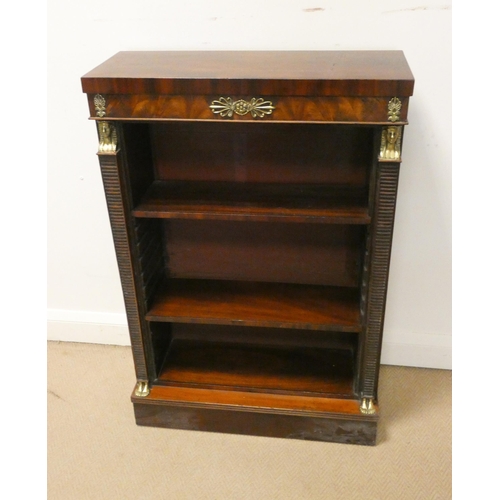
(335, 429)
(291, 416)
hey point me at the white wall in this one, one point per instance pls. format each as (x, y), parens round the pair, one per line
(84, 295)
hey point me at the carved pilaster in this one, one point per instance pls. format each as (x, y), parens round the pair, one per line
(117, 200)
(376, 273)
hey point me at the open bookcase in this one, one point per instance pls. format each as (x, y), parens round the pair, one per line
(253, 232)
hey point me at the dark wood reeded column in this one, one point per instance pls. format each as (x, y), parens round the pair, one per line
(377, 262)
(113, 166)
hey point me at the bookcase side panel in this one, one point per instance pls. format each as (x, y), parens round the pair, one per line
(377, 261)
(113, 171)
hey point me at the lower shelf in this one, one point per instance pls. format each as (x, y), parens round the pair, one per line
(272, 415)
(251, 367)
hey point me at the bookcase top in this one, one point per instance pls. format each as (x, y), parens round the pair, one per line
(299, 73)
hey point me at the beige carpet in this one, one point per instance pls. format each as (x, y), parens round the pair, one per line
(95, 450)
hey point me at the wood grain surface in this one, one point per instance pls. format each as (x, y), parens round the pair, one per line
(345, 73)
(340, 109)
(255, 202)
(259, 367)
(257, 304)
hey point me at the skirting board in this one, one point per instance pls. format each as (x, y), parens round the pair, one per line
(87, 327)
(418, 350)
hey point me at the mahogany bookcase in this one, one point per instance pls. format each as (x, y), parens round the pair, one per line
(252, 197)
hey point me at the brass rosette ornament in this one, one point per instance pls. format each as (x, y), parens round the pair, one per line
(257, 107)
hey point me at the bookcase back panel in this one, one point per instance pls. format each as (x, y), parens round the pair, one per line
(259, 152)
(317, 254)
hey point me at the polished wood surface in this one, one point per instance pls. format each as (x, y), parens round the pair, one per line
(238, 201)
(257, 304)
(258, 367)
(366, 110)
(273, 423)
(263, 153)
(313, 254)
(262, 336)
(257, 401)
(341, 73)
(277, 415)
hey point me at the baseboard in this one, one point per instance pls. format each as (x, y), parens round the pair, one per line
(87, 327)
(418, 350)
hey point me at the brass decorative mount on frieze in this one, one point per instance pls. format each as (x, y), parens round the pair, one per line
(258, 107)
(100, 105)
(394, 109)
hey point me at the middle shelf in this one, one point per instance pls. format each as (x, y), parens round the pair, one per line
(244, 303)
(313, 203)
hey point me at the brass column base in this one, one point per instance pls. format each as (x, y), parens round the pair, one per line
(141, 389)
(367, 407)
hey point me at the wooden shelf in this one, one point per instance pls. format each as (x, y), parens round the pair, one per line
(255, 201)
(259, 368)
(275, 305)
